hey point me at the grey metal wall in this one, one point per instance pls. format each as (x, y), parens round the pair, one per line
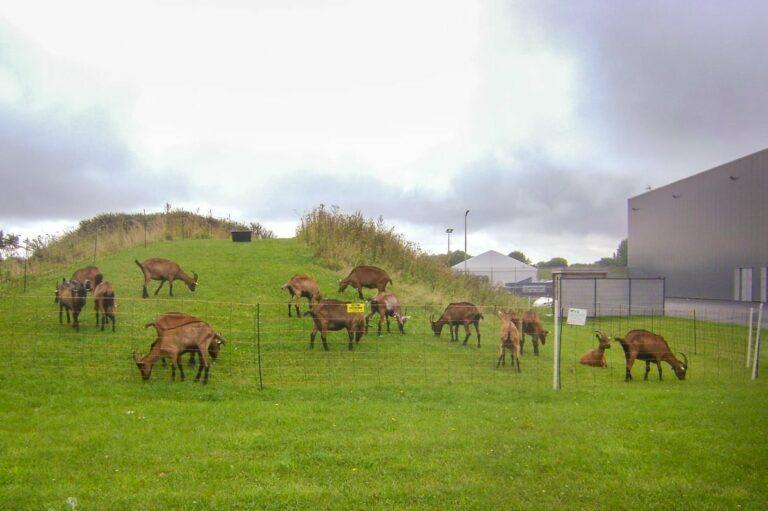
(696, 231)
(613, 297)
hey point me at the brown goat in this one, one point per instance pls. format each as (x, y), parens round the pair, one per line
(386, 305)
(302, 286)
(104, 303)
(90, 276)
(170, 320)
(191, 337)
(509, 339)
(70, 296)
(332, 315)
(369, 277)
(647, 346)
(458, 313)
(596, 357)
(532, 326)
(164, 270)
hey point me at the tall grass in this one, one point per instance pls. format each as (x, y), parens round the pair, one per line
(110, 232)
(343, 241)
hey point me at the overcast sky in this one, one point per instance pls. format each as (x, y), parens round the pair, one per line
(542, 118)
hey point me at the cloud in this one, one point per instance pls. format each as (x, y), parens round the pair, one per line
(60, 161)
(671, 87)
(533, 194)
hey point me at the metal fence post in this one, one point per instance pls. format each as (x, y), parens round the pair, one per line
(749, 335)
(258, 343)
(556, 350)
(758, 340)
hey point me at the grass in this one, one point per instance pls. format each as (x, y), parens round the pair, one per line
(410, 421)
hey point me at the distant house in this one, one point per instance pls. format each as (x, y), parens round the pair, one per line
(498, 268)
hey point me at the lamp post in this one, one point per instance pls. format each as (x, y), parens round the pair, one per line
(448, 232)
(465, 241)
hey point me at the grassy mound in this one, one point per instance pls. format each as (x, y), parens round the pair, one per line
(412, 421)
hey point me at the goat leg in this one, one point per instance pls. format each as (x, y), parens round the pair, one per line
(162, 282)
(477, 330)
(647, 369)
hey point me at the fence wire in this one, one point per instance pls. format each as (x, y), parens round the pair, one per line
(264, 345)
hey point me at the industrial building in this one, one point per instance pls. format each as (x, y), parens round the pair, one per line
(707, 234)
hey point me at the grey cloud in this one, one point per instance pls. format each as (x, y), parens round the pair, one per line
(673, 86)
(535, 195)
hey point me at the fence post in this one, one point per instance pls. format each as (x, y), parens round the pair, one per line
(26, 257)
(695, 350)
(258, 342)
(556, 350)
(749, 335)
(758, 340)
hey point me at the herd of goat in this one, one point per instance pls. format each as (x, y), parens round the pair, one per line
(179, 333)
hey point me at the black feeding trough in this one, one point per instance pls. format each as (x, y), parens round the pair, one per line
(241, 236)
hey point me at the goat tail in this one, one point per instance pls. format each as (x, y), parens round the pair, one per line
(98, 279)
(152, 324)
(390, 282)
(480, 315)
(141, 267)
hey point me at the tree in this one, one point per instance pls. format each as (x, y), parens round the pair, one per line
(555, 262)
(9, 243)
(517, 254)
(456, 257)
(619, 258)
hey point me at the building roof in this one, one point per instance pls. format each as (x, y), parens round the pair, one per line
(495, 260)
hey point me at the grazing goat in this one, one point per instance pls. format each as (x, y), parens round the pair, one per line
(194, 337)
(458, 313)
(104, 303)
(332, 315)
(649, 347)
(386, 305)
(164, 270)
(509, 340)
(532, 326)
(90, 276)
(70, 296)
(170, 320)
(369, 277)
(302, 286)
(596, 357)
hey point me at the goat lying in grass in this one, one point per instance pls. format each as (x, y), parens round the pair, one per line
(596, 357)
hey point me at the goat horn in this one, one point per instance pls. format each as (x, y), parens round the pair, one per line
(686, 360)
(136, 357)
(431, 318)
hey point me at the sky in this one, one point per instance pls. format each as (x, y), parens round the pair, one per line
(541, 118)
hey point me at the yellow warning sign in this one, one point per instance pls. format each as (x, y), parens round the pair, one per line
(355, 307)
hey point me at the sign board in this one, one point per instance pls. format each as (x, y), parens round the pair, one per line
(355, 307)
(577, 317)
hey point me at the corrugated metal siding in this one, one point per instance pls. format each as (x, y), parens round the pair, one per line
(713, 226)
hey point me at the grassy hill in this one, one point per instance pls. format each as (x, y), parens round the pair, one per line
(409, 421)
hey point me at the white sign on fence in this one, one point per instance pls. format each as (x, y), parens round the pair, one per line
(577, 317)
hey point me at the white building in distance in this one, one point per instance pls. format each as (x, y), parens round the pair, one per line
(498, 268)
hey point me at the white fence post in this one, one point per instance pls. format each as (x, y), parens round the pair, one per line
(756, 354)
(556, 350)
(749, 335)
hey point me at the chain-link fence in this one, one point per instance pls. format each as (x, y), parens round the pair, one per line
(266, 347)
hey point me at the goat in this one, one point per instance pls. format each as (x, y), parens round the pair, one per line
(647, 346)
(369, 277)
(302, 286)
(91, 276)
(196, 337)
(386, 305)
(458, 313)
(532, 326)
(164, 270)
(509, 339)
(170, 320)
(104, 304)
(70, 296)
(596, 357)
(332, 315)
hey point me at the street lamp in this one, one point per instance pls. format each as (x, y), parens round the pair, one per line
(448, 232)
(465, 241)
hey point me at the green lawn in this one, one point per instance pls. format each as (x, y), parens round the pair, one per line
(409, 421)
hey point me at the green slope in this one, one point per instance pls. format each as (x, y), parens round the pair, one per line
(408, 421)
